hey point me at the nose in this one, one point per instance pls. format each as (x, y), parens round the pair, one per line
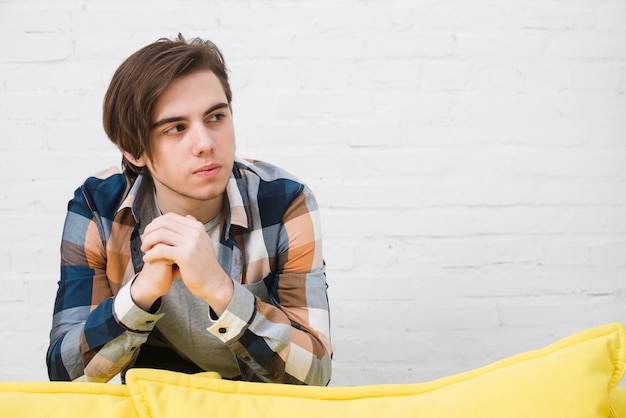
(202, 141)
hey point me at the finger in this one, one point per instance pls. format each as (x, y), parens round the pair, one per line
(175, 271)
(170, 229)
(160, 253)
(165, 235)
(169, 220)
(174, 222)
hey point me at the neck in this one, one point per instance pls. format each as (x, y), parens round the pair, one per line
(201, 210)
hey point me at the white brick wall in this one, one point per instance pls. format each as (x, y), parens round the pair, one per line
(469, 158)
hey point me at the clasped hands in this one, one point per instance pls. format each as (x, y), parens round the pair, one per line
(173, 246)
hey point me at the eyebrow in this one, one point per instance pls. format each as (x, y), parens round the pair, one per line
(165, 121)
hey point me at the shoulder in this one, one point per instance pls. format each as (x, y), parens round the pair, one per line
(102, 193)
(267, 178)
(264, 170)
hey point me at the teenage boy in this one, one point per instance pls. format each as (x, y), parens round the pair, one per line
(190, 259)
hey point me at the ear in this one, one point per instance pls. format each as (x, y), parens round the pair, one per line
(139, 162)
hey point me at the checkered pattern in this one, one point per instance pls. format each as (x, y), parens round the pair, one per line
(271, 234)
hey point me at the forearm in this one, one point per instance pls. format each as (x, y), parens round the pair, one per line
(102, 344)
(269, 347)
(63, 357)
(303, 360)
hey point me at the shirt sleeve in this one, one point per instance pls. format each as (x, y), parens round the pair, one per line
(94, 335)
(288, 339)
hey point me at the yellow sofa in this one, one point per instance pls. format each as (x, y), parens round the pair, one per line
(577, 376)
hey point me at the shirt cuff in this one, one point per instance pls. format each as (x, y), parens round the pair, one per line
(235, 319)
(131, 316)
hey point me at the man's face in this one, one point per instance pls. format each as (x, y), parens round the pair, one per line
(193, 144)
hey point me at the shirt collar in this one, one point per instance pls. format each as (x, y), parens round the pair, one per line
(235, 204)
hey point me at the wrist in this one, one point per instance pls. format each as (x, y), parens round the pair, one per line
(219, 297)
(141, 294)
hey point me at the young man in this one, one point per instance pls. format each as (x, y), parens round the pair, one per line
(191, 259)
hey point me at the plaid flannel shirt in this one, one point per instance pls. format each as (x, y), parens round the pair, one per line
(270, 233)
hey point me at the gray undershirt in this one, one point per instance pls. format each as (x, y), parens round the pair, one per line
(184, 325)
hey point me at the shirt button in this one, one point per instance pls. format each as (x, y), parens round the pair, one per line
(222, 330)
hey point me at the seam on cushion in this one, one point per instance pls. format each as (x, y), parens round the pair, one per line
(620, 361)
(136, 380)
(140, 400)
(168, 378)
(65, 387)
(411, 389)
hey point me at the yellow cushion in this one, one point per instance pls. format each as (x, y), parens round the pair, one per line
(618, 401)
(65, 400)
(570, 378)
(574, 377)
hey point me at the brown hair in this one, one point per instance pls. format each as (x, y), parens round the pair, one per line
(139, 82)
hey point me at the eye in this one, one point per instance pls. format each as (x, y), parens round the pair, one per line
(216, 117)
(176, 129)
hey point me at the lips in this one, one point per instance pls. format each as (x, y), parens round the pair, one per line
(207, 170)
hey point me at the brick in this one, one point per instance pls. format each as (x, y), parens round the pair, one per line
(384, 18)
(565, 252)
(254, 136)
(43, 291)
(325, 105)
(611, 17)
(341, 257)
(264, 18)
(36, 47)
(453, 16)
(56, 77)
(169, 20)
(25, 320)
(13, 291)
(36, 259)
(329, 46)
(594, 107)
(501, 79)
(607, 279)
(410, 106)
(42, 195)
(340, 225)
(47, 107)
(609, 135)
(592, 77)
(57, 166)
(37, 19)
(375, 135)
(543, 17)
(478, 107)
(256, 76)
(33, 130)
(545, 77)
(404, 45)
(443, 77)
(607, 253)
(589, 46)
(608, 309)
(501, 47)
(376, 74)
(552, 311)
(255, 107)
(558, 132)
(48, 222)
(619, 79)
